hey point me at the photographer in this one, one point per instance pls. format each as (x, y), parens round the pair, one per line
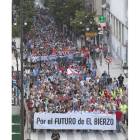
(55, 135)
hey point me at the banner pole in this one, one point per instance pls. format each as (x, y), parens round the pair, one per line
(108, 68)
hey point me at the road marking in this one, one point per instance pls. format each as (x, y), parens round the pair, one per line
(48, 136)
(106, 136)
(92, 136)
(77, 136)
(120, 136)
(63, 135)
(34, 136)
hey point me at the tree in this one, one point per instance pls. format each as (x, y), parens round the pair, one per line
(63, 9)
(28, 12)
(80, 15)
(15, 31)
(46, 3)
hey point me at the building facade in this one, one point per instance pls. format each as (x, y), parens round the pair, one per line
(116, 30)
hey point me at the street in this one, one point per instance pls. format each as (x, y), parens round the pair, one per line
(51, 89)
(79, 136)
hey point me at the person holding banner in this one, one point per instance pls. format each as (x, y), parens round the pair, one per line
(32, 120)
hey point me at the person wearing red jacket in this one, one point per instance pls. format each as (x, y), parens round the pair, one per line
(106, 92)
(118, 100)
(109, 96)
(119, 118)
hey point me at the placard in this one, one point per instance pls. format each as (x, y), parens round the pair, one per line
(70, 56)
(44, 58)
(53, 56)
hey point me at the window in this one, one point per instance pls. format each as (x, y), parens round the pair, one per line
(122, 34)
(116, 28)
(114, 24)
(119, 31)
(126, 4)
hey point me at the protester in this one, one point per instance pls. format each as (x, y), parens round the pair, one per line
(55, 135)
(100, 57)
(120, 79)
(52, 90)
(126, 117)
(32, 120)
(105, 50)
(119, 118)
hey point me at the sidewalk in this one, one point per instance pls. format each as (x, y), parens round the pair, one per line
(115, 69)
(14, 63)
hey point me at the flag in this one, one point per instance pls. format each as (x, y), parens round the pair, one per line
(87, 52)
(54, 51)
(67, 49)
(72, 73)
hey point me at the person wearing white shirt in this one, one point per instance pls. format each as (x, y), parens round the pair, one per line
(70, 111)
(42, 111)
(83, 111)
(96, 111)
(101, 46)
(97, 52)
(78, 111)
(88, 78)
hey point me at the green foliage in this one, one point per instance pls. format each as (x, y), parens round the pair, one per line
(81, 29)
(15, 31)
(27, 28)
(27, 13)
(17, 2)
(46, 3)
(63, 9)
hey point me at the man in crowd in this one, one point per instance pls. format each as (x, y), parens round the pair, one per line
(55, 135)
(119, 118)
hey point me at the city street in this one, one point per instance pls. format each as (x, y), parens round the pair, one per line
(79, 136)
(51, 88)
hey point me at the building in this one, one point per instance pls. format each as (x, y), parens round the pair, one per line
(95, 5)
(116, 30)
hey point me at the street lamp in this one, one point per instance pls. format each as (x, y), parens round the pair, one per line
(80, 21)
(90, 21)
(99, 27)
(87, 27)
(25, 22)
(27, 69)
(70, 18)
(15, 22)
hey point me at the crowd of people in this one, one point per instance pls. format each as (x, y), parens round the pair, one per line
(49, 89)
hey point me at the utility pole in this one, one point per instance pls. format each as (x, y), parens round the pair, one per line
(17, 78)
(21, 50)
(94, 61)
(126, 53)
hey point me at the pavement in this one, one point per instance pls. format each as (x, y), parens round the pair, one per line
(78, 136)
(115, 69)
(15, 110)
(14, 63)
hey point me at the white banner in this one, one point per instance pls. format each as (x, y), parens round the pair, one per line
(74, 121)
